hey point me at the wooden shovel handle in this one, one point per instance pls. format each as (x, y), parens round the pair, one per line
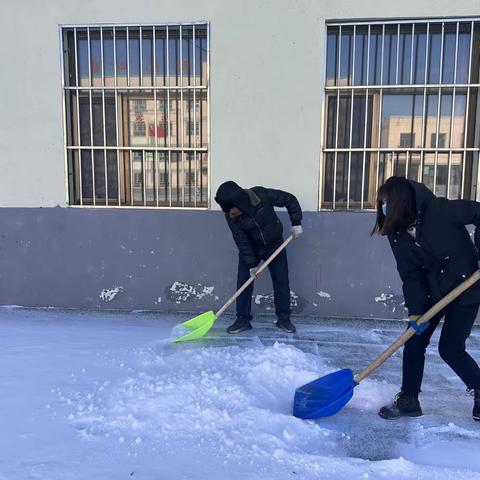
(437, 308)
(252, 278)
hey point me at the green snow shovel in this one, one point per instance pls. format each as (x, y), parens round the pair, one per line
(201, 324)
(329, 394)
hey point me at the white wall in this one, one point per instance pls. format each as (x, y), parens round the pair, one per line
(266, 85)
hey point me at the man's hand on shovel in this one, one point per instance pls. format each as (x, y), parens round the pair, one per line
(296, 231)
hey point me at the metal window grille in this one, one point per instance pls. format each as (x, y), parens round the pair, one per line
(401, 98)
(129, 91)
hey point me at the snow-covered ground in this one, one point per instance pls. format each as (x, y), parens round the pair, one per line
(107, 396)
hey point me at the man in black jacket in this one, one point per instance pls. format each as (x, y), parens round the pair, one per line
(258, 232)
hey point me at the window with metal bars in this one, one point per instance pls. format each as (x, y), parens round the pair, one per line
(136, 108)
(401, 98)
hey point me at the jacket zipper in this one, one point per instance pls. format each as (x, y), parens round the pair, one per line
(261, 233)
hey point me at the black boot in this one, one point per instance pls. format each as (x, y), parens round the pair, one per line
(285, 324)
(476, 405)
(240, 325)
(404, 405)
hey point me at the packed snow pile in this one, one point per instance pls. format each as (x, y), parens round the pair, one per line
(235, 402)
(224, 397)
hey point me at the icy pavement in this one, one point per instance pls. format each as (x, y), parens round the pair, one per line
(107, 396)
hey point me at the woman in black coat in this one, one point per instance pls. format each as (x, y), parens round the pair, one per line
(434, 254)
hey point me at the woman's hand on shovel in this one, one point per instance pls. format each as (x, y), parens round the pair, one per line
(413, 323)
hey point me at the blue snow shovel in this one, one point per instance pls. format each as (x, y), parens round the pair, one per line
(329, 394)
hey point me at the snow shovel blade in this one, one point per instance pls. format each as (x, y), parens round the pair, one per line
(198, 326)
(324, 396)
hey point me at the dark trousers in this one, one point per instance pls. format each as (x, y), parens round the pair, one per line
(456, 329)
(281, 287)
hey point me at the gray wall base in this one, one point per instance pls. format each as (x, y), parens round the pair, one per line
(173, 261)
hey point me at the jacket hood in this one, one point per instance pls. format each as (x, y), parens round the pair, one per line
(230, 195)
(423, 195)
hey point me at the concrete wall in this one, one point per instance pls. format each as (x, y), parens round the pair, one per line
(267, 62)
(186, 261)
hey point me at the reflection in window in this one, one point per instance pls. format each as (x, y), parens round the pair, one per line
(419, 53)
(405, 54)
(136, 100)
(346, 56)
(140, 105)
(401, 114)
(434, 53)
(361, 54)
(139, 129)
(375, 55)
(407, 140)
(401, 99)
(390, 55)
(438, 141)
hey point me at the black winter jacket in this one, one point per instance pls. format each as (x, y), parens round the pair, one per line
(442, 253)
(258, 230)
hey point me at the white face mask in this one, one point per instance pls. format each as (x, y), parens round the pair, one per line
(384, 208)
